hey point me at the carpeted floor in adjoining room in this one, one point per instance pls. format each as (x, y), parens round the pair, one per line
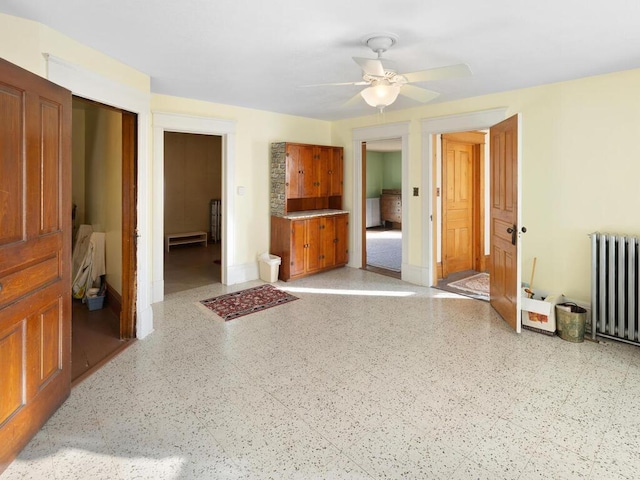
(384, 249)
(364, 376)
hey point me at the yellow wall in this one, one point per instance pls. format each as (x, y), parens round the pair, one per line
(580, 169)
(103, 183)
(255, 131)
(580, 154)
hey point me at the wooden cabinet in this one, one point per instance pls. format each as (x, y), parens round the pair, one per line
(310, 245)
(309, 179)
(391, 206)
(301, 171)
(330, 170)
(305, 177)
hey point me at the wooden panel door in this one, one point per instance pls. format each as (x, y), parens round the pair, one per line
(35, 254)
(457, 207)
(504, 221)
(328, 241)
(322, 159)
(336, 172)
(298, 247)
(293, 169)
(342, 239)
(313, 245)
(308, 172)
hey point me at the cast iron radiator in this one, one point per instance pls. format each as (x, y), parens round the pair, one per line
(215, 207)
(615, 287)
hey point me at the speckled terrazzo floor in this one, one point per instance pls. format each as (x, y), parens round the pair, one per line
(363, 377)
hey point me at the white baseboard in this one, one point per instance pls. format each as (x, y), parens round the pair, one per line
(144, 323)
(242, 273)
(416, 275)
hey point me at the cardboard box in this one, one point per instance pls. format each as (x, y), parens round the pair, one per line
(540, 314)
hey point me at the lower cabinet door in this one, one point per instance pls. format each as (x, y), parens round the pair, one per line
(342, 239)
(298, 250)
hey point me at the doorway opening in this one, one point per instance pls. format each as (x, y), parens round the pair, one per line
(192, 210)
(104, 172)
(461, 187)
(382, 188)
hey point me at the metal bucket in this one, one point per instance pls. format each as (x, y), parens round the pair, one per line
(570, 324)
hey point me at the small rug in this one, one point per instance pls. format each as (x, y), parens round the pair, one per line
(244, 302)
(476, 284)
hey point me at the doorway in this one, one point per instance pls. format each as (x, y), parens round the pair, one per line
(193, 206)
(461, 190)
(103, 195)
(382, 173)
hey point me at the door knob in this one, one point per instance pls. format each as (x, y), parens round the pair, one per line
(514, 234)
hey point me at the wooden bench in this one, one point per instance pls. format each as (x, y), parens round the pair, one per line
(172, 239)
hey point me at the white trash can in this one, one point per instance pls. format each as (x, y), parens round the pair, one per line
(269, 267)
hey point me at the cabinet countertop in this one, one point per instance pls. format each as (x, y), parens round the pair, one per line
(313, 213)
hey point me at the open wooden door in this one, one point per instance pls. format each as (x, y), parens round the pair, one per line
(35, 254)
(505, 270)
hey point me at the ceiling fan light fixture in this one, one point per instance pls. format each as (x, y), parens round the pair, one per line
(380, 96)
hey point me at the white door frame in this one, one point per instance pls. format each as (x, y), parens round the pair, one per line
(370, 134)
(457, 123)
(93, 86)
(173, 122)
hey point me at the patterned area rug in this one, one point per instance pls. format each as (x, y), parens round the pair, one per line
(476, 284)
(244, 302)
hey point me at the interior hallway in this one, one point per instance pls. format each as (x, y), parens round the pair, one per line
(191, 266)
(364, 376)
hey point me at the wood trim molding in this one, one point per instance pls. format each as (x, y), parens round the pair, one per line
(129, 225)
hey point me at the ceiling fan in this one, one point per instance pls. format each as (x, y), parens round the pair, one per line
(384, 84)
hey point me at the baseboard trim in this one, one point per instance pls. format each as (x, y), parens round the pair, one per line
(242, 273)
(114, 300)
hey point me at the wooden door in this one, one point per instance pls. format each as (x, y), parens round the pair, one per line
(308, 172)
(322, 163)
(298, 247)
(457, 206)
(328, 241)
(293, 175)
(342, 239)
(504, 283)
(313, 244)
(35, 254)
(129, 223)
(336, 172)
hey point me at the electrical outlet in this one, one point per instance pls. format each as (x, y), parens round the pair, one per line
(415, 191)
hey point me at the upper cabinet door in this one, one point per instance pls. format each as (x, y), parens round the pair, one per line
(292, 181)
(322, 157)
(336, 172)
(308, 173)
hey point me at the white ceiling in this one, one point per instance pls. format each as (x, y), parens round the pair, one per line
(260, 54)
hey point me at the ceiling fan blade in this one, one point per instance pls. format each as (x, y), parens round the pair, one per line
(421, 95)
(357, 98)
(440, 73)
(336, 84)
(372, 66)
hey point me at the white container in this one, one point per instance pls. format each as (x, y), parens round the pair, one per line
(269, 267)
(540, 314)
